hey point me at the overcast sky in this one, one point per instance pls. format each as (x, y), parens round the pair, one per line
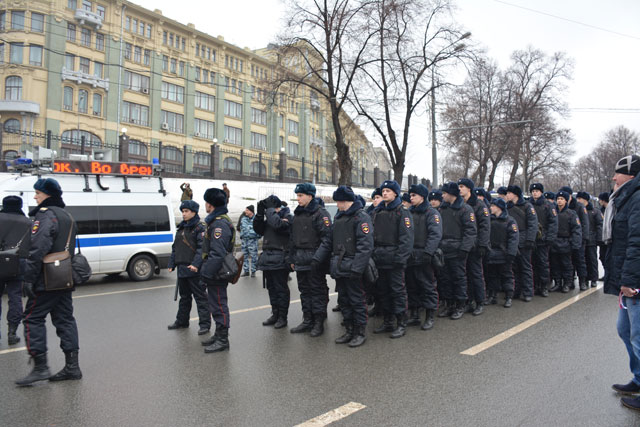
(603, 40)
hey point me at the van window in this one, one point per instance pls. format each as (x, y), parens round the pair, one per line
(120, 219)
(86, 217)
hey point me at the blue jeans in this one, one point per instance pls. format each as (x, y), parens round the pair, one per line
(629, 332)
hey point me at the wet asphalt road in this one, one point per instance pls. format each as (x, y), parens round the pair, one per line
(136, 372)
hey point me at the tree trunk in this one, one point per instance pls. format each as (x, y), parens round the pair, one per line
(398, 171)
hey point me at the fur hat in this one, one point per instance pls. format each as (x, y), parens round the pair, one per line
(435, 195)
(466, 182)
(499, 203)
(344, 194)
(604, 197)
(12, 204)
(515, 189)
(376, 192)
(565, 195)
(550, 195)
(420, 190)
(306, 188)
(566, 189)
(215, 197)
(583, 195)
(191, 205)
(391, 185)
(406, 197)
(360, 199)
(451, 188)
(502, 190)
(536, 186)
(48, 186)
(628, 165)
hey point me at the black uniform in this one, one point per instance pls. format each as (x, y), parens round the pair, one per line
(602, 253)
(458, 239)
(427, 233)
(547, 232)
(186, 251)
(595, 239)
(275, 227)
(505, 238)
(475, 274)
(350, 246)
(569, 239)
(578, 255)
(15, 229)
(527, 220)
(311, 226)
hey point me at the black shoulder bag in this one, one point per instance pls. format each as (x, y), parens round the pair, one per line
(10, 261)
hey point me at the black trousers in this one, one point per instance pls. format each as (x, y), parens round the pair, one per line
(421, 287)
(352, 300)
(392, 292)
(591, 258)
(541, 269)
(475, 277)
(59, 305)
(14, 295)
(523, 273)
(577, 259)
(218, 303)
(188, 287)
(602, 253)
(454, 279)
(561, 267)
(500, 277)
(314, 292)
(278, 287)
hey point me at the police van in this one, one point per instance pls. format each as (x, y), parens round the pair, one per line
(124, 215)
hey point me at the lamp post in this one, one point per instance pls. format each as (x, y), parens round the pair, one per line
(123, 147)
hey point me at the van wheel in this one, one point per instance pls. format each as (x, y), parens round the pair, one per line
(141, 268)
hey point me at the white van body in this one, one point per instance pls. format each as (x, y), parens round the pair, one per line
(118, 230)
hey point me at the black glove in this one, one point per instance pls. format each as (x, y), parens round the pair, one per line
(27, 290)
(529, 244)
(482, 251)
(261, 208)
(463, 255)
(510, 259)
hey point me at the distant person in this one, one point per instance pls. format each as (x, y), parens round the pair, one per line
(249, 242)
(187, 192)
(226, 191)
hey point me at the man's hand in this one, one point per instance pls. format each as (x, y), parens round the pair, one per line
(261, 208)
(171, 270)
(192, 268)
(628, 292)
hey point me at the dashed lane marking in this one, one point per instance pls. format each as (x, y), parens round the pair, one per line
(334, 415)
(527, 324)
(13, 350)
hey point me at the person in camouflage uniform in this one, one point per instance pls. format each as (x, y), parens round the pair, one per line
(249, 242)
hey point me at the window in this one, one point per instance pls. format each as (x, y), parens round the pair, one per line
(12, 125)
(148, 31)
(147, 57)
(137, 148)
(233, 135)
(171, 39)
(183, 44)
(205, 76)
(3, 16)
(172, 154)
(13, 88)
(212, 78)
(165, 63)
(172, 92)
(99, 41)
(67, 98)
(85, 37)
(86, 5)
(232, 109)
(205, 101)
(202, 158)
(258, 141)
(293, 149)
(292, 127)
(231, 164)
(133, 219)
(174, 121)
(204, 129)
(37, 22)
(83, 101)
(72, 4)
(128, 47)
(281, 121)
(135, 113)
(181, 69)
(164, 37)
(97, 69)
(71, 33)
(174, 65)
(17, 20)
(259, 116)
(137, 54)
(197, 74)
(1, 53)
(137, 82)
(197, 49)
(97, 104)
(101, 11)
(291, 173)
(84, 65)
(74, 137)
(35, 55)
(258, 169)
(134, 25)
(15, 53)
(69, 61)
(141, 32)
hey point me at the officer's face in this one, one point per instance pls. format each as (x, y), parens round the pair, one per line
(303, 199)
(40, 196)
(376, 200)
(208, 207)
(188, 214)
(536, 194)
(388, 195)
(343, 205)
(496, 210)
(416, 199)
(602, 203)
(561, 202)
(511, 197)
(435, 203)
(583, 202)
(464, 191)
(480, 196)
(449, 198)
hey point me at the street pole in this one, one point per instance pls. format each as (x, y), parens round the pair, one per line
(434, 150)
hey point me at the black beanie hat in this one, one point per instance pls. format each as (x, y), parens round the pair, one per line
(550, 195)
(344, 194)
(499, 203)
(565, 195)
(628, 165)
(566, 189)
(251, 208)
(215, 197)
(48, 186)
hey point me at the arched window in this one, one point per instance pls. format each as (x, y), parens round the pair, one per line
(67, 99)
(138, 152)
(231, 164)
(83, 101)
(13, 88)
(172, 159)
(291, 173)
(258, 169)
(12, 125)
(202, 158)
(73, 137)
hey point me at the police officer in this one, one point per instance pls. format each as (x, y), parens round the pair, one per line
(504, 246)
(547, 232)
(311, 225)
(219, 240)
(52, 228)
(15, 231)
(595, 238)
(350, 245)
(577, 255)
(568, 240)
(551, 197)
(393, 243)
(435, 199)
(603, 200)
(427, 232)
(274, 223)
(458, 238)
(502, 193)
(525, 216)
(483, 195)
(376, 198)
(475, 274)
(406, 200)
(186, 256)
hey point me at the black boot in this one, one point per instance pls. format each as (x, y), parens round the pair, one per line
(401, 327)
(445, 309)
(479, 309)
(318, 326)
(348, 334)
(508, 302)
(469, 307)
(12, 338)
(594, 283)
(565, 287)
(544, 291)
(387, 325)
(220, 344)
(556, 286)
(71, 370)
(572, 284)
(583, 283)
(305, 326)
(211, 339)
(40, 371)
(358, 336)
(414, 317)
(272, 319)
(336, 308)
(458, 310)
(428, 320)
(374, 311)
(282, 319)
(176, 325)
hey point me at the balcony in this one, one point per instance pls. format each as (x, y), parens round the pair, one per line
(84, 78)
(86, 17)
(28, 107)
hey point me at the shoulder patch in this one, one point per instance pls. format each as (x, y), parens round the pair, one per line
(325, 220)
(407, 222)
(578, 220)
(472, 217)
(217, 232)
(365, 228)
(533, 211)
(514, 227)
(437, 218)
(35, 227)
(485, 212)
(553, 211)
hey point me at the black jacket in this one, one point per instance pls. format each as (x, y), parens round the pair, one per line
(280, 224)
(527, 221)
(459, 235)
(547, 220)
(321, 230)
(433, 230)
(505, 238)
(390, 256)
(483, 222)
(219, 240)
(581, 211)
(191, 230)
(595, 225)
(567, 221)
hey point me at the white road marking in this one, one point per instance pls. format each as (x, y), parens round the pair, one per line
(123, 292)
(333, 416)
(527, 324)
(13, 350)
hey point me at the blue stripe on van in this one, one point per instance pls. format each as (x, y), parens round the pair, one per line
(89, 242)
